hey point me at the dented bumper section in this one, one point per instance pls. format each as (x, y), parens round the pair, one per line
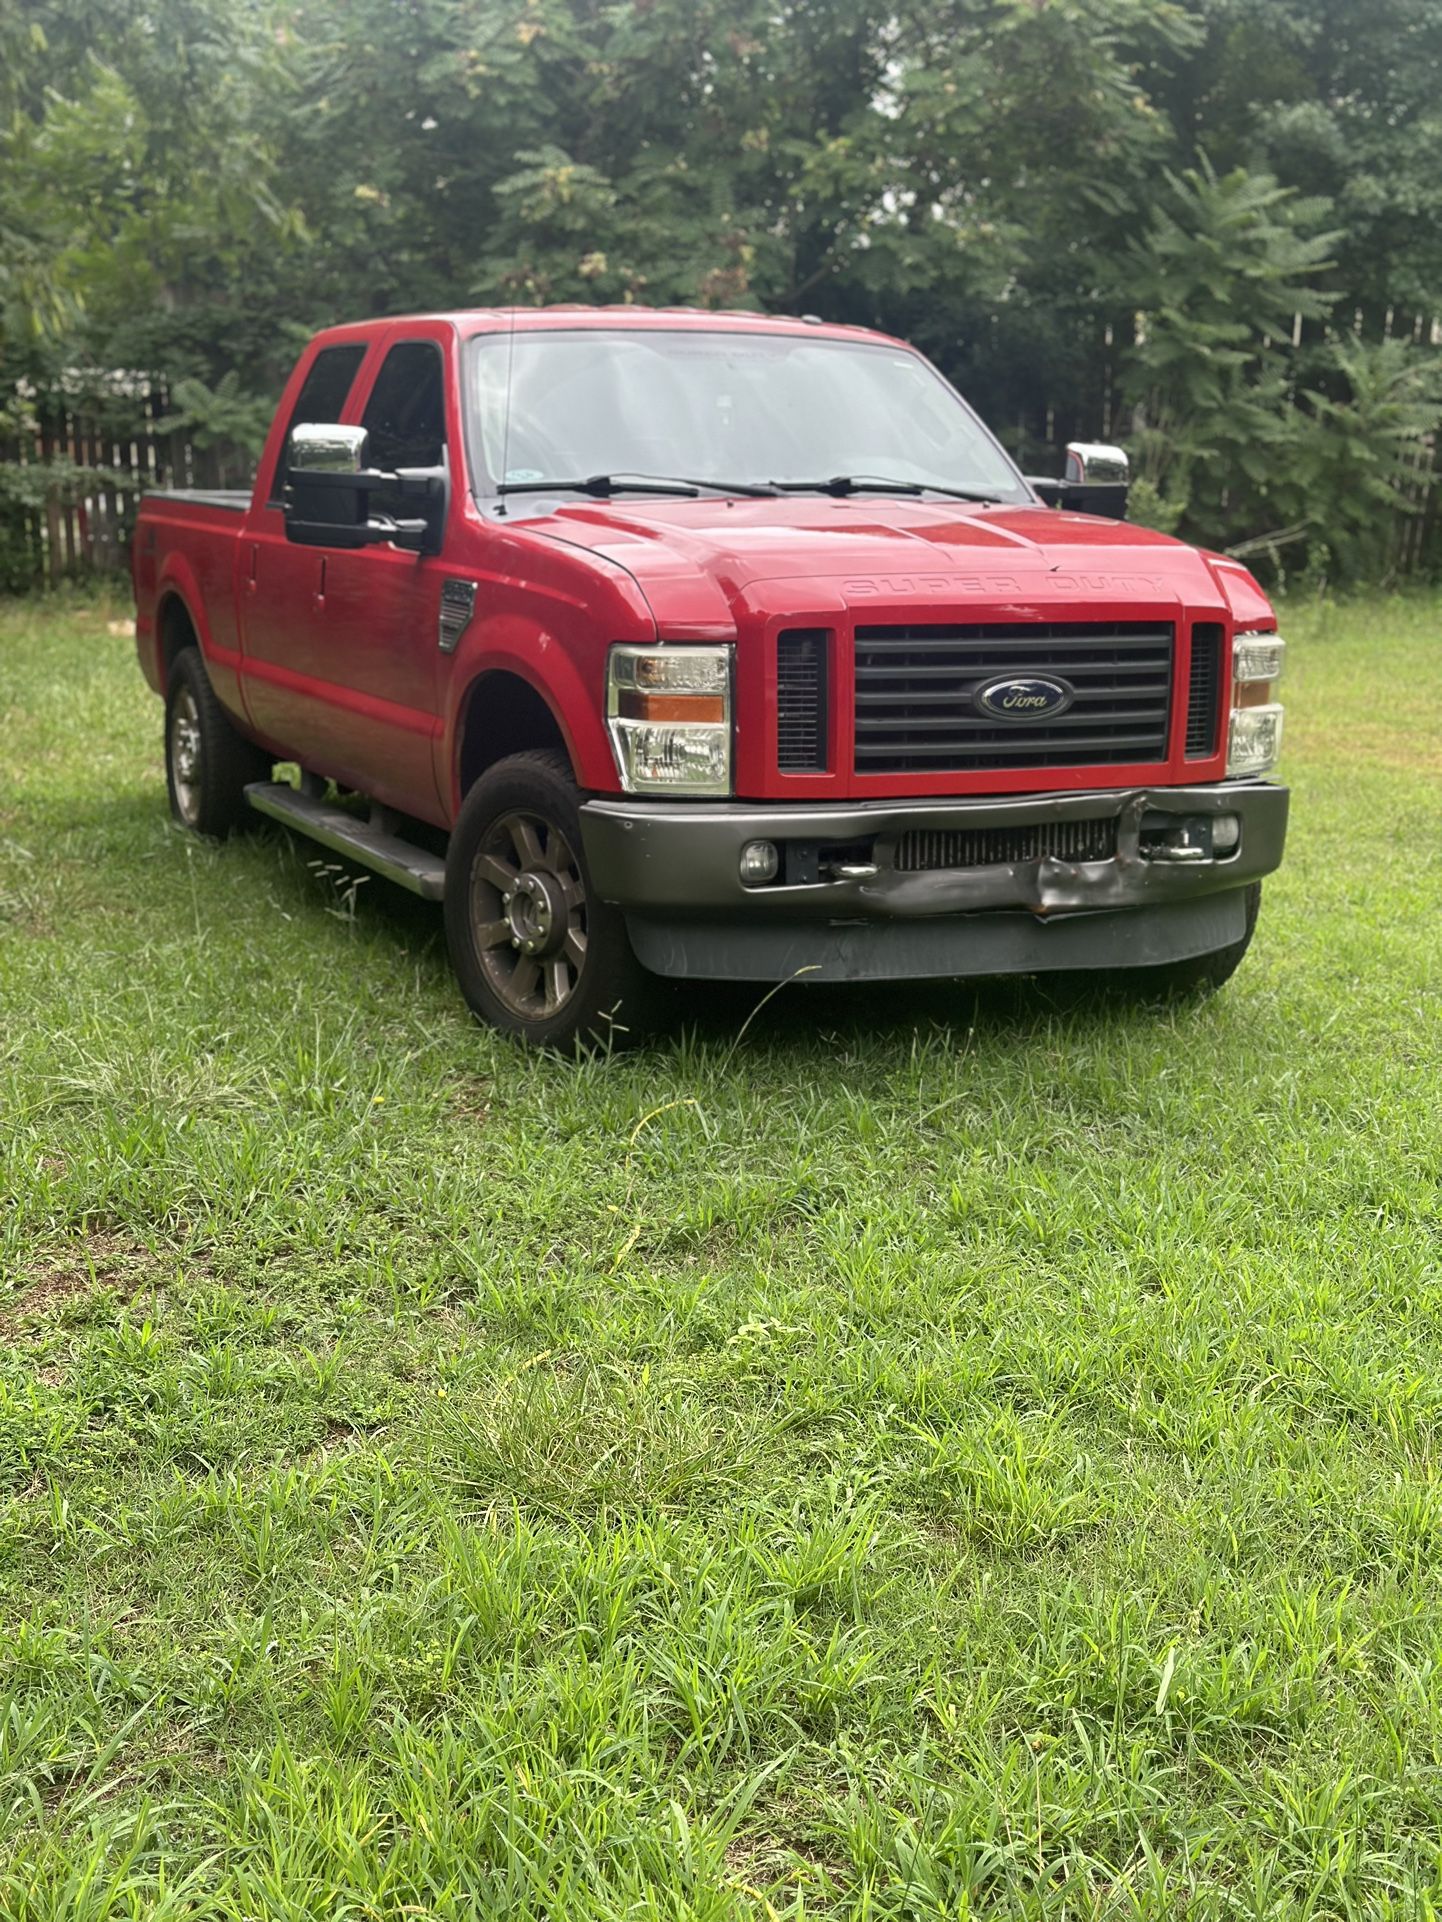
(1153, 846)
(914, 890)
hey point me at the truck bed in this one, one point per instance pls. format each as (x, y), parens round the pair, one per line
(233, 500)
(190, 537)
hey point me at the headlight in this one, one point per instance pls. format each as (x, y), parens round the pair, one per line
(1254, 739)
(669, 712)
(1258, 657)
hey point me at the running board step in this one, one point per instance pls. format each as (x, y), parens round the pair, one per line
(385, 854)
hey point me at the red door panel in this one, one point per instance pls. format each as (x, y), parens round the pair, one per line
(341, 664)
(376, 645)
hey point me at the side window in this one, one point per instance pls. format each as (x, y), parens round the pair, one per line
(322, 396)
(406, 413)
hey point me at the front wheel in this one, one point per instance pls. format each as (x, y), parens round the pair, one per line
(1199, 974)
(535, 953)
(1203, 973)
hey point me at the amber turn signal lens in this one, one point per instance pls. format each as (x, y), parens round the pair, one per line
(637, 704)
(668, 710)
(1252, 694)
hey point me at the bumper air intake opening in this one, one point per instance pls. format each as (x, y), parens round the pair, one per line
(927, 850)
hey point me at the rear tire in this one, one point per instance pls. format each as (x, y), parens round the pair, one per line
(207, 764)
(1199, 974)
(535, 953)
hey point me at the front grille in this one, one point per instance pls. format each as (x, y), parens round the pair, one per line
(1204, 691)
(915, 711)
(801, 700)
(921, 850)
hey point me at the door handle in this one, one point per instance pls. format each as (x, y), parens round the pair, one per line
(318, 601)
(250, 581)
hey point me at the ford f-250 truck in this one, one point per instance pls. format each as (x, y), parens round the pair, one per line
(713, 645)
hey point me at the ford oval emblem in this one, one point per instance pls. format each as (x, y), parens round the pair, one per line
(1024, 697)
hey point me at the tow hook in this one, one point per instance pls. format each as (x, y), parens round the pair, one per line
(1180, 839)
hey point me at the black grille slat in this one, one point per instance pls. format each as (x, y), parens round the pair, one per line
(801, 701)
(1070, 719)
(1100, 747)
(1204, 691)
(933, 693)
(915, 710)
(1075, 671)
(924, 850)
(915, 641)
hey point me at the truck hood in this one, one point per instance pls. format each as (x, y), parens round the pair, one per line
(696, 561)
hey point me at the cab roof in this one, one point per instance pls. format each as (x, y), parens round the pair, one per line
(481, 320)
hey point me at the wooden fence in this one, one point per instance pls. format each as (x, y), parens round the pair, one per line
(88, 472)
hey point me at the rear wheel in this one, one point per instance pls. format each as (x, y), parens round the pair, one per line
(535, 953)
(207, 764)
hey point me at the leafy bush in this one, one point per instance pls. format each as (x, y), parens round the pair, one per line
(1255, 425)
(219, 416)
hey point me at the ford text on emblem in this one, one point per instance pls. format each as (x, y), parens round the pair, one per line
(1024, 697)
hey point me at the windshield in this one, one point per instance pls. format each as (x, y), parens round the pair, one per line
(722, 406)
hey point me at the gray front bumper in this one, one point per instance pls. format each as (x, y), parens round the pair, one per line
(674, 868)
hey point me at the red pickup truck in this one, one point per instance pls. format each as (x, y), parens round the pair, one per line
(713, 645)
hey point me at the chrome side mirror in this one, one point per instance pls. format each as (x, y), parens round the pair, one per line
(1096, 481)
(327, 499)
(327, 449)
(1096, 462)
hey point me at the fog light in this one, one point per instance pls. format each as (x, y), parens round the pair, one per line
(1226, 833)
(759, 862)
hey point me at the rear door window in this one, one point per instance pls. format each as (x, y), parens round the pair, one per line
(406, 413)
(322, 398)
(405, 416)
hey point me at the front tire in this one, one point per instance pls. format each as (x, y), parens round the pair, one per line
(535, 953)
(1199, 975)
(207, 764)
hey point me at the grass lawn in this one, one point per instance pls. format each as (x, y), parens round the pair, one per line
(924, 1456)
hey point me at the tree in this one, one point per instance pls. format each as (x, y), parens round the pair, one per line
(1201, 219)
(1219, 280)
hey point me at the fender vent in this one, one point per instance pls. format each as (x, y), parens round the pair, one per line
(801, 700)
(458, 603)
(1204, 691)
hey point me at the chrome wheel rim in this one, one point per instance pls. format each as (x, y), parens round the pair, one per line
(528, 915)
(185, 755)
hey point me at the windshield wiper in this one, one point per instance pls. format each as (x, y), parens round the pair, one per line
(840, 484)
(683, 487)
(603, 486)
(755, 490)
